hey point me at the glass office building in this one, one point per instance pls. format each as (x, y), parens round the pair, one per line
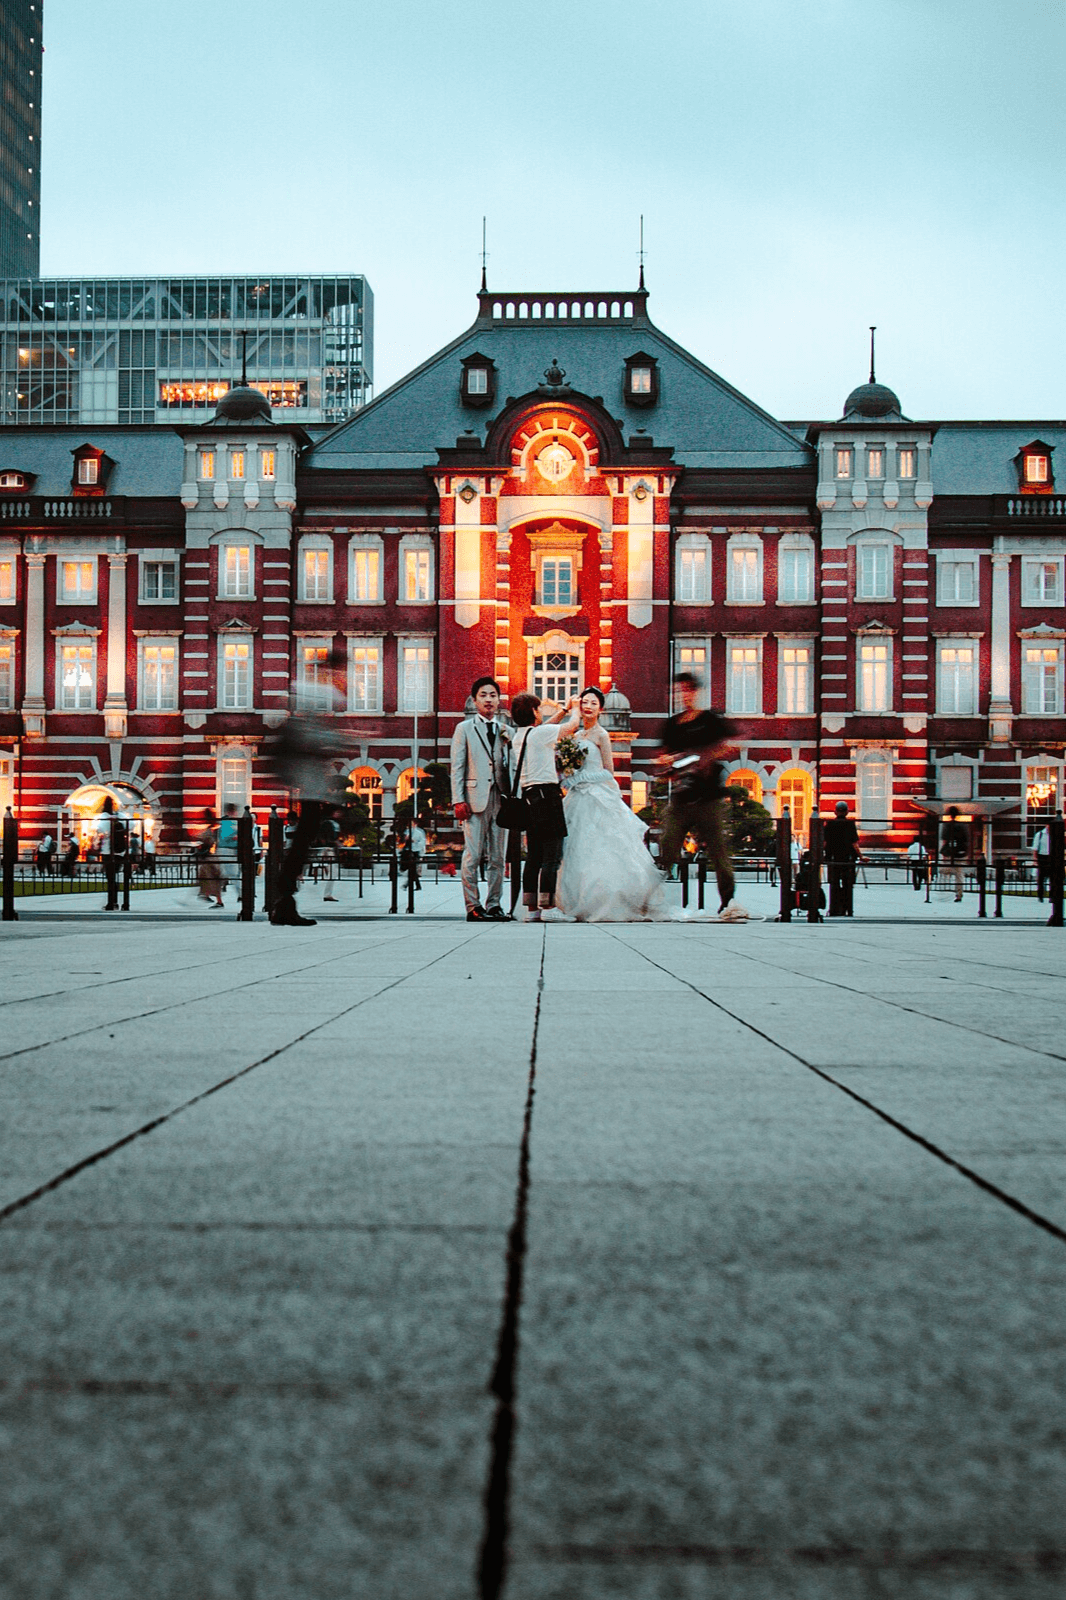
(21, 54)
(137, 350)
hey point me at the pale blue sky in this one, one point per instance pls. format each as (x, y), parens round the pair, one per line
(803, 170)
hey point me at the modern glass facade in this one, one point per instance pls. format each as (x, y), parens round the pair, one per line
(137, 350)
(21, 53)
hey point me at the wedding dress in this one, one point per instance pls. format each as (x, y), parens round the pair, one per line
(607, 875)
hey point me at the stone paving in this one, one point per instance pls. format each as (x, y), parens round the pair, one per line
(758, 1232)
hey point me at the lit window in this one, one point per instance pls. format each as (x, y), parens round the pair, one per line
(207, 464)
(557, 581)
(1041, 582)
(477, 380)
(159, 675)
(875, 689)
(875, 462)
(956, 583)
(7, 676)
(234, 780)
(12, 480)
(796, 680)
(691, 658)
(957, 680)
(235, 686)
(639, 794)
(415, 677)
(1041, 792)
(795, 575)
(1041, 680)
(267, 460)
(365, 585)
(77, 582)
(236, 463)
(236, 572)
(1036, 469)
(874, 784)
(199, 395)
(313, 687)
(744, 574)
(76, 675)
(416, 577)
(908, 461)
(743, 681)
(640, 380)
(88, 470)
(7, 580)
(159, 581)
(693, 573)
(843, 463)
(873, 575)
(556, 675)
(315, 575)
(364, 677)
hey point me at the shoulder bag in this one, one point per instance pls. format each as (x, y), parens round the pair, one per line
(514, 810)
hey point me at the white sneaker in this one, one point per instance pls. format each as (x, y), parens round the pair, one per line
(531, 916)
(734, 912)
(552, 914)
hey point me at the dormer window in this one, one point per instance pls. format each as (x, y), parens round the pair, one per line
(640, 386)
(13, 480)
(1035, 473)
(91, 470)
(477, 386)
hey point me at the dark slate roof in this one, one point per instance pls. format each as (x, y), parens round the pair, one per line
(148, 460)
(706, 421)
(979, 457)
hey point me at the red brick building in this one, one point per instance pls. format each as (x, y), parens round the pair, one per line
(561, 496)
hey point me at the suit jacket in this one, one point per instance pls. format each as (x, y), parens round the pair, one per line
(474, 767)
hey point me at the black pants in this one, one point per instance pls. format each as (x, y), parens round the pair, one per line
(302, 843)
(544, 844)
(110, 865)
(841, 886)
(1043, 875)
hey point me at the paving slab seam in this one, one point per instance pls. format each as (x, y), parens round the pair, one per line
(91, 1160)
(177, 1005)
(999, 1562)
(492, 1561)
(1019, 1206)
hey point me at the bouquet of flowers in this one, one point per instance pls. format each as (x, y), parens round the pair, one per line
(569, 756)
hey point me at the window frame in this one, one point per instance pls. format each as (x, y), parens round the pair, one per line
(79, 642)
(693, 544)
(1028, 564)
(268, 463)
(153, 558)
(356, 643)
(843, 458)
(9, 558)
(746, 544)
(153, 641)
(366, 543)
(232, 754)
(863, 643)
(404, 643)
(947, 560)
(911, 451)
(8, 651)
(875, 472)
(784, 645)
(79, 598)
(864, 546)
(743, 642)
(865, 761)
(796, 545)
(205, 466)
(313, 700)
(1043, 645)
(942, 707)
(237, 593)
(419, 546)
(233, 636)
(237, 464)
(316, 544)
(695, 645)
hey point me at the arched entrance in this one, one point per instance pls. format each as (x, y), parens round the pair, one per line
(795, 789)
(82, 808)
(748, 780)
(365, 784)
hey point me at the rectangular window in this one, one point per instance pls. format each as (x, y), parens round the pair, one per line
(874, 784)
(236, 463)
(235, 687)
(843, 463)
(796, 694)
(1041, 582)
(234, 782)
(956, 783)
(416, 577)
(88, 470)
(640, 380)
(956, 583)
(159, 675)
(314, 575)
(364, 678)
(477, 380)
(874, 572)
(557, 581)
(795, 575)
(875, 687)
(77, 689)
(7, 675)
(957, 686)
(267, 461)
(692, 574)
(207, 464)
(159, 581)
(743, 682)
(744, 574)
(77, 582)
(875, 462)
(313, 687)
(690, 658)
(908, 461)
(236, 572)
(366, 574)
(1036, 469)
(7, 580)
(416, 660)
(1041, 680)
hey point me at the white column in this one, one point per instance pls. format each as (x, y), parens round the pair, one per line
(1000, 710)
(115, 708)
(467, 561)
(640, 546)
(33, 704)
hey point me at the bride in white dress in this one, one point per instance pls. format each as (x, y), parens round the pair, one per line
(607, 875)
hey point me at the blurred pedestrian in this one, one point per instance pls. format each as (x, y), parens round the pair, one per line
(953, 849)
(842, 856)
(693, 743)
(305, 756)
(46, 852)
(1042, 859)
(918, 862)
(210, 878)
(111, 839)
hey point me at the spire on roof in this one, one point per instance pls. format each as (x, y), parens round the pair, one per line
(484, 259)
(640, 285)
(873, 330)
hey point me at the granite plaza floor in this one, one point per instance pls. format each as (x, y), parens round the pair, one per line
(759, 1232)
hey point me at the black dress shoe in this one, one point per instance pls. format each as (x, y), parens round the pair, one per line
(496, 914)
(285, 915)
(476, 914)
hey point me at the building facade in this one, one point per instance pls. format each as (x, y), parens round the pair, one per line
(21, 62)
(561, 496)
(148, 350)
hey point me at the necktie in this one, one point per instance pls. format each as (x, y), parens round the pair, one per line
(492, 735)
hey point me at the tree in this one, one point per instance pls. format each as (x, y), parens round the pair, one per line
(751, 825)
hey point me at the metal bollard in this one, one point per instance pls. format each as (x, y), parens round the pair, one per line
(246, 860)
(127, 874)
(784, 866)
(360, 872)
(682, 868)
(10, 857)
(410, 886)
(275, 851)
(1001, 875)
(394, 879)
(1055, 877)
(982, 883)
(701, 882)
(814, 871)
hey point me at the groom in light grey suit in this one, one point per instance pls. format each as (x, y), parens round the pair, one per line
(480, 778)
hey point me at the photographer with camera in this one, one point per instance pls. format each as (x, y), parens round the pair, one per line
(693, 743)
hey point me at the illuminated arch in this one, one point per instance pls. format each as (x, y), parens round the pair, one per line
(747, 779)
(795, 789)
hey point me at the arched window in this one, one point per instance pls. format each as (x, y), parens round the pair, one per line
(365, 784)
(796, 790)
(748, 780)
(405, 783)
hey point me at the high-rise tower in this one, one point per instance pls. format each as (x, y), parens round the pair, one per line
(21, 52)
